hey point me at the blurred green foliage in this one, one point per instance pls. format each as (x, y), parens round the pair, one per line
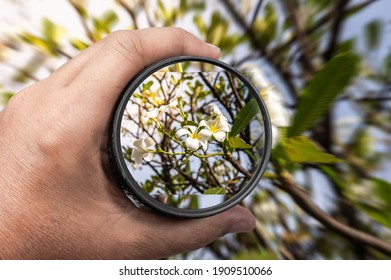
(325, 80)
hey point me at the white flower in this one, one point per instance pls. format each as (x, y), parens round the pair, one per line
(213, 109)
(218, 127)
(141, 150)
(219, 169)
(279, 116)
(196, 137)
(153, 114)
(174, 102)
(157, 112)
(277, 112)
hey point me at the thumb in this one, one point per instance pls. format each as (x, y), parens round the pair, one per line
(163, 236)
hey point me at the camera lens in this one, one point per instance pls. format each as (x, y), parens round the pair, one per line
(191, 137)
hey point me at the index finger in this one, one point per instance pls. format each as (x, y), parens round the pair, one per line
(122, 56)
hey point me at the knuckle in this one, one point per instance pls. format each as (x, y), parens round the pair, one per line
(49, 143)
(181, 35)
(16, 102)
(127, 44)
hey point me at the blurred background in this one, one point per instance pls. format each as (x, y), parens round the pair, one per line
(324, 68)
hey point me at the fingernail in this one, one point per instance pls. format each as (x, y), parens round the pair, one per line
(242, 226)
(215, 48)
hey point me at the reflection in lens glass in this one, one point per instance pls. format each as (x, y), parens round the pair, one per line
(192, 139)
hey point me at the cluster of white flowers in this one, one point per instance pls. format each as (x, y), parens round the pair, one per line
(157, 112)
(278, 113)
(216, 127)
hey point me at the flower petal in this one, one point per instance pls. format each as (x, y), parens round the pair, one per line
(182, 132)
(148, 156)
(278, 114)
(204, 144)
(163, 108)
(205, 133)
(152, 114)
(220, 136)
(137, 156)
(203, 123)
(149, 142)
(139, 144)
(224, 126)
(192, 128)
(173, 104)
(213, 107)
(269, 94)
(192, 144)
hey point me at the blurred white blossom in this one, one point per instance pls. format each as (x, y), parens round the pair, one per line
(272, 97)
(213, 109)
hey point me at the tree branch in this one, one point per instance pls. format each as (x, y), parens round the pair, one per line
(338, 12)
(302, 39)
(259, 46)
(322, 21)
(305, 203)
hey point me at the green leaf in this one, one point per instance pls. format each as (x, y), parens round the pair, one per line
(383, 190)
(109, 19)
(301, 149)
(321, 91)
(249, 111)
(6, 96)
(347, 45)
(236, 142)
(362, 143)
(386, 73)
(266, 26)
(373, 31)
(49, 31)
(79, 44)
(335, 177)
(200, 23)
(357, 9)
(148, 186)
(80, 7)
(215, 191)
(379, 215)
(147, 85)
(194, 202)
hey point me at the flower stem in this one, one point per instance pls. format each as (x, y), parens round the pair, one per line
(168, 153)
(208, 155)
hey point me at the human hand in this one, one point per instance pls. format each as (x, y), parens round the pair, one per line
(58, 197)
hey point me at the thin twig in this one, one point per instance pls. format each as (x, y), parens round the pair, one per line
(131, 13)
(83, 22)
(237, 166)
(256, 11)
(303, 40)
(216, 95)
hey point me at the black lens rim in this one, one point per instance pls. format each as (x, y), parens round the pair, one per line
(129, 184)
